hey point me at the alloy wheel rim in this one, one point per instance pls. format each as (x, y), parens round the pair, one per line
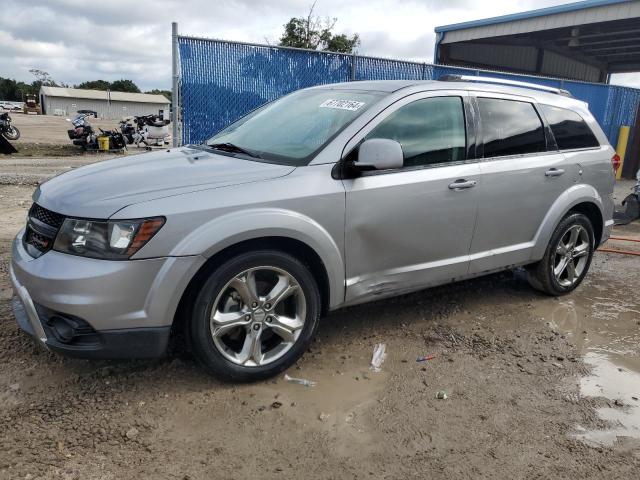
(258, 316)
(571, 256)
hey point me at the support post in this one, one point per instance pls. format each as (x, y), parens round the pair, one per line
(175, 105)
(353, 66)
(621, 148)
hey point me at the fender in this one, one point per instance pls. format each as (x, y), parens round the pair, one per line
(576, 194)
(236, 227)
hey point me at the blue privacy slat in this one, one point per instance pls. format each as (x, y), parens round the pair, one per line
(222, 81)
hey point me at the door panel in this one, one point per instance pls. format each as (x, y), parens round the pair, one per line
(408, 229)
(516, 195)
(520, 182)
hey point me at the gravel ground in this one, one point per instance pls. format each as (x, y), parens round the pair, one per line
(526, 399)
(44, 138)
(49, 129)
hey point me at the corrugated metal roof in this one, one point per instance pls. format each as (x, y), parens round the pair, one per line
(103, 95)
(569, 7)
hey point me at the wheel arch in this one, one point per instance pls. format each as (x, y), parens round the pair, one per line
(580, 198)
(593, 213)
(294, 247)
(277, 226)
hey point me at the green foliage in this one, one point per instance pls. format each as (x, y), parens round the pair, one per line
(116, 86)
(13, 91)
(342, 43)
(124, 86)
(166, 93)
(94, 85)
(315, 33)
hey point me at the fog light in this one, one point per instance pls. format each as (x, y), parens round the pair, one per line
(65, 332)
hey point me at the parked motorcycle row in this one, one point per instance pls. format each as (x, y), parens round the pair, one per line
(147, 130)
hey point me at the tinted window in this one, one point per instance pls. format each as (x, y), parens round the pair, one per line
(569, 129)
(510, 127)
(430, 131)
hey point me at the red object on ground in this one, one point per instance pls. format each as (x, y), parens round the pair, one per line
(425, 358)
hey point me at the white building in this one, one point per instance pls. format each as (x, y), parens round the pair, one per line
(108, 105)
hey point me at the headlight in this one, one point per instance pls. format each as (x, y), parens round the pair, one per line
(109, 240)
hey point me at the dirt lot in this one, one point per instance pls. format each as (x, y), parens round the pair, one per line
(538, 388)
(45, 136)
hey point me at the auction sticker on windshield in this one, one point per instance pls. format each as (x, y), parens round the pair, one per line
(342, 104)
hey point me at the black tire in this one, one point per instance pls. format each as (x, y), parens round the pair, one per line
(12, 134)
(541, 274)
(198, 325)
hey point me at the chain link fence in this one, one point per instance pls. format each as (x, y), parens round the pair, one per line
(220, 81)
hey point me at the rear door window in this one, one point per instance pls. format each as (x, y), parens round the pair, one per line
(510, 127)
(569, 129)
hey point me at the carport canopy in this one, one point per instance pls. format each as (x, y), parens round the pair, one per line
(585, 41)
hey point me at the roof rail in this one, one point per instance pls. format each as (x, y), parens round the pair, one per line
(500, 81)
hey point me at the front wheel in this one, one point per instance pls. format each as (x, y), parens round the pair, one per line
(567, 258)
(254, 316)
(12, 133)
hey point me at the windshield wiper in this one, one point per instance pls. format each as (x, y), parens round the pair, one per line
(231, 147)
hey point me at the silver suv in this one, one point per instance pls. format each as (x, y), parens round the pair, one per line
(330, 196)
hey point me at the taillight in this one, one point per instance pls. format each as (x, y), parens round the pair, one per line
(615, 162)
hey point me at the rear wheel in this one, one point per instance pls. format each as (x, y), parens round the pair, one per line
(567, 258)
(254, 316)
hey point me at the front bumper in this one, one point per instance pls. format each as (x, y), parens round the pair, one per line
(121, 308)
(110, 344)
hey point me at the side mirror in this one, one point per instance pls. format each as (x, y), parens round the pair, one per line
(379, 154)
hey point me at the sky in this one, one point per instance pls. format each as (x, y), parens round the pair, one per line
(76, 40)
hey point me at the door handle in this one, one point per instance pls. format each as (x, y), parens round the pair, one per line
(462, 184)
(554, 172)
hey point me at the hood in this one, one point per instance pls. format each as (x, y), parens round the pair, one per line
(101, 189)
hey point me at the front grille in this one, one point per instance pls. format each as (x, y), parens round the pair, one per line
(41, 231)
(46, 216)
(41, 242)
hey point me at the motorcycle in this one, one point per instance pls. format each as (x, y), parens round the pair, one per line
(631, 206)
(7, 130)
(128, 128)
(82, 133)
(147, 129)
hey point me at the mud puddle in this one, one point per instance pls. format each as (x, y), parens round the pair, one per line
(334, 410)
(607, 333)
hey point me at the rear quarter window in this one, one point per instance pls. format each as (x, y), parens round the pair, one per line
(569, 129)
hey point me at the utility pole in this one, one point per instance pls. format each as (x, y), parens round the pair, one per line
(174, 85)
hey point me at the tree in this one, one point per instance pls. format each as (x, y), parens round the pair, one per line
(94, 85)
(124, 86)
(315, 33)
(14, 91)
(42, 78)
(166, 93)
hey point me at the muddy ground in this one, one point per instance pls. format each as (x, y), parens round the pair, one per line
(538, 388)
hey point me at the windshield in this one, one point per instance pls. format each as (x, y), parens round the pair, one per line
(293, 129)
(79, 120)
